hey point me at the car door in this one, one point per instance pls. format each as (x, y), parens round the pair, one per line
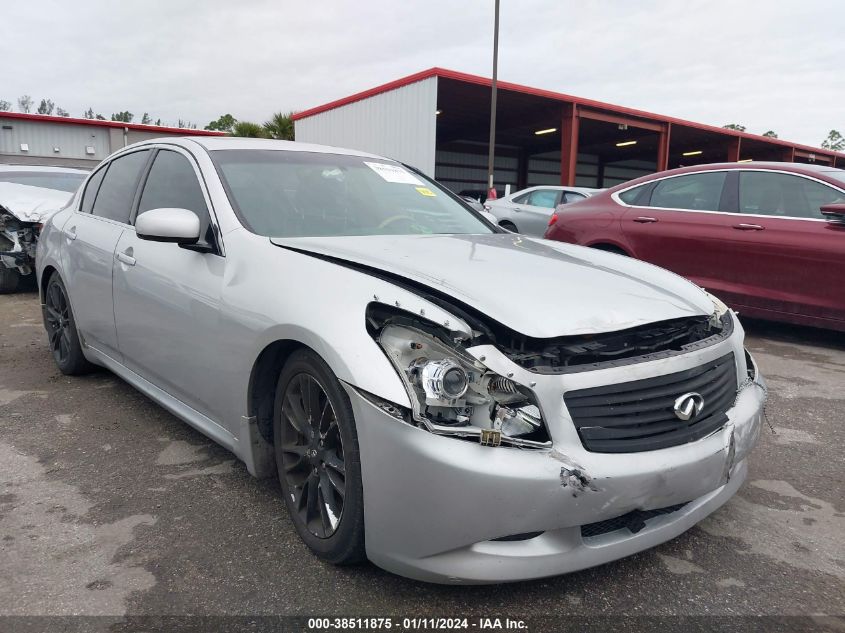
(90, 236)
(533, 214)
(167, 296)
(678, 225)
(793, 258)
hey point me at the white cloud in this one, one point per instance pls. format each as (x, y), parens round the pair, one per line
(767, 65)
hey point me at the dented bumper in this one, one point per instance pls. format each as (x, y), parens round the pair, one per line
(438, 509)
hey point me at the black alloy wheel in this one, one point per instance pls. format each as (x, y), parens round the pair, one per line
(315, 440)
(61, 330)
(312, 455)
(57, 318)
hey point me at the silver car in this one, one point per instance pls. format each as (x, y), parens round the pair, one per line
(454, 402)
(528, 210)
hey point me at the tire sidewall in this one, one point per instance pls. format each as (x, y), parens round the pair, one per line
(75, 363)
(346, 544)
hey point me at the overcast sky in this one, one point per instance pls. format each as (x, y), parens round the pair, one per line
(774, 64)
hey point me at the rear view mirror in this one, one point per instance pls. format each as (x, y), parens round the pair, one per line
(168, 225)
(834, 212)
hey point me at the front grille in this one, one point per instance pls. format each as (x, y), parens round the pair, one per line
(639, 415)
(634, 521)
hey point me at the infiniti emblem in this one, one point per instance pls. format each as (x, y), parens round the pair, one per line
(688, 406)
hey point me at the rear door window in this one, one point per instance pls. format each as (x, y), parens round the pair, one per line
(91, 191)
(571, 196)
(632, 196)
(117, 191)
(785, 195)
(696, 192)
(543, 198)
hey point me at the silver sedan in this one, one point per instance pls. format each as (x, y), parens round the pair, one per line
(452, 401)
(528, 211)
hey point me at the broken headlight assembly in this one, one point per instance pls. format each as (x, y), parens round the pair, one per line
(454, 394)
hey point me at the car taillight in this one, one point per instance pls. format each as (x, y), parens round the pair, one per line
(553, 219)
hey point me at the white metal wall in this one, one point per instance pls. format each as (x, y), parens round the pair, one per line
(53, 140)
(399, 124)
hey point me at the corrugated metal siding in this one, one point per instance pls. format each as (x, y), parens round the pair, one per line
(468, 170)
(625, 170)
(399, 124)
(42, 138)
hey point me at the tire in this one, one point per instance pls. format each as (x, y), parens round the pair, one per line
(315, 460)
(61, 330)
(510, 226)
(9, 279)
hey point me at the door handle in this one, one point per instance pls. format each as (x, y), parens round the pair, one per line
(748, 227)
(645, 220)
(517, 209)
(126, 258)
(71, 233)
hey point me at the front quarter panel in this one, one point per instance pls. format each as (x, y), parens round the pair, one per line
(275, 294)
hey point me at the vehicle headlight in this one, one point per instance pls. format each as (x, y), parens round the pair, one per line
(444, 379)
(452, 393)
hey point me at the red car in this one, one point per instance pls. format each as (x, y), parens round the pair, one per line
(766, 238)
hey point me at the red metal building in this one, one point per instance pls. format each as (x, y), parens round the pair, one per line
(438, 120)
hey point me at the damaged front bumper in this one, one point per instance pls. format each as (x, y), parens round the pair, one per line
(450, 511)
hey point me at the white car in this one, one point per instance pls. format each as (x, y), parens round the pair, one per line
(528, 210)
(28, 195)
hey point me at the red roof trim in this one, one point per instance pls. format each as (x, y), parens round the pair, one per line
(119, 124)
(549, 94)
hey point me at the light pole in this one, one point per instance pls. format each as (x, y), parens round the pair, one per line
(491, 191)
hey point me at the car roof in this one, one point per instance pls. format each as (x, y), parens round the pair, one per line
(558, 188)
(806, 169)
(216, 143)
(43, 169)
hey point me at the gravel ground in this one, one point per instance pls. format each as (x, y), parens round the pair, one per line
(110, 506)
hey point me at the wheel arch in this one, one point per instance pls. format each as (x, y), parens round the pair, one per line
(611, 246)
(48, 271)
(261, 392)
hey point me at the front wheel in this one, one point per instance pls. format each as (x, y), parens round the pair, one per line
(316, 447)
(61, 330)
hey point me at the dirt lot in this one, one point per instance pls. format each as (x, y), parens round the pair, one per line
(111, 506)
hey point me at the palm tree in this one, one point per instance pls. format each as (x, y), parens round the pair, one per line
(248, 129)
(280, 126)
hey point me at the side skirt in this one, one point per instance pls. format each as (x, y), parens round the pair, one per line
(200, 422)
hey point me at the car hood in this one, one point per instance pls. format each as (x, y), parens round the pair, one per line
(31, 204)
(539, 288)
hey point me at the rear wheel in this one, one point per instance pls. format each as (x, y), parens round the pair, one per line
(61, 330)
(316, 447)
(9, 279)
(510, 226)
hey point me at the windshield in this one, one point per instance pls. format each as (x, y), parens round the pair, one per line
(305, 194)
(59, 181)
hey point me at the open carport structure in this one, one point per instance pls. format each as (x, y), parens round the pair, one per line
(438, 121)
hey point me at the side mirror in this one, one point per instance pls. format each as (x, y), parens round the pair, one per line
(168, 225)
(834, 212)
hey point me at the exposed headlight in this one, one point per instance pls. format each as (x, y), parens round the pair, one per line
(452, 393)
(444, 379)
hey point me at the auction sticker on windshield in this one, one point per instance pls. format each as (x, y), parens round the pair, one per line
(394, 173)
